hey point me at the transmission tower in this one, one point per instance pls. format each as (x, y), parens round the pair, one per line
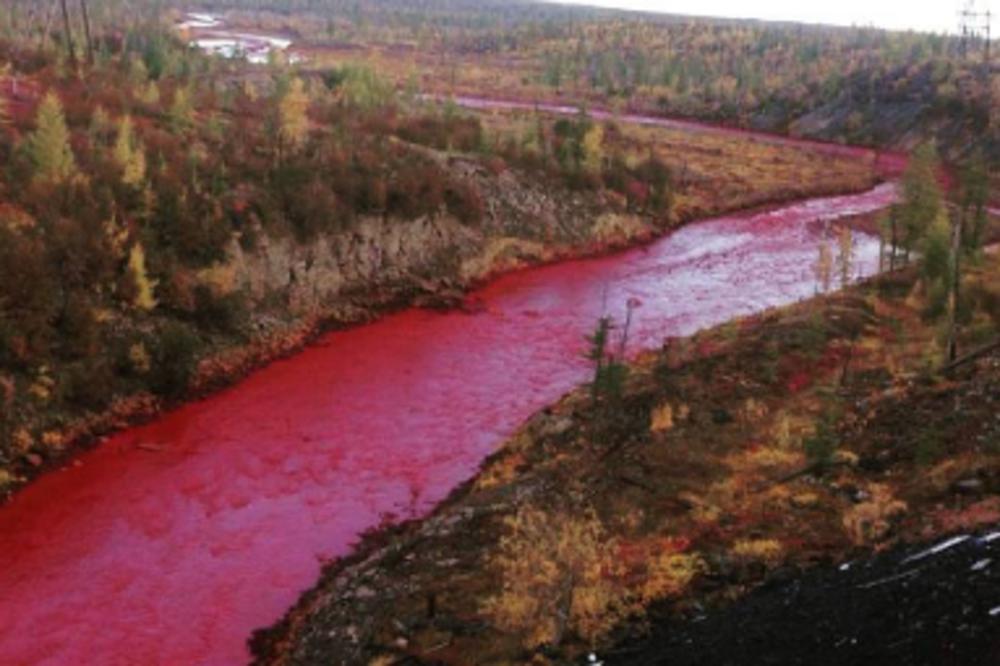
(975, 28)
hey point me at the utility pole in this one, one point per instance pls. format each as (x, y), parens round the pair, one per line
(975, 27)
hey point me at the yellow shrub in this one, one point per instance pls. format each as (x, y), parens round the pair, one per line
(22, 440)
(219, 278)
(500, 472)
(41, 388)
(53, 439)
(139, 358)
(768, 551)
(669, 574)
(558, 573)
(662, 418)
(144, 298)
(752, 411)
(869, 521)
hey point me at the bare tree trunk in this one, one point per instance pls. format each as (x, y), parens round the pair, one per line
(956, 254)
(86, 32)
(68, 31)
(47, 25)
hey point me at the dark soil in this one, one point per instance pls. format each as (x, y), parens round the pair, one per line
(902, 607)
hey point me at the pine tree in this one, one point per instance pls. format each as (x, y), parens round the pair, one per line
(593, 149)
(921, 197)
(150, 94)
(100, 125)
(181, 114)
(144, 286)
(293, 118)
(128, 155)
(974, 196)
(937, 263)
(49, 146)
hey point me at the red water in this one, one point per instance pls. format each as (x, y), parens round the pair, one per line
(174, 556)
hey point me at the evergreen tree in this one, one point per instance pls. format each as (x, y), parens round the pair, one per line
(593, 149)
(49, 146)
(937, 263)
(293, 118)
(144, 286)
(974, 195)
(100, 126)
(921, 197)
(128, 154)
(181, 114)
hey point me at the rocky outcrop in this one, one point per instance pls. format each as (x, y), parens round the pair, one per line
(437, 255)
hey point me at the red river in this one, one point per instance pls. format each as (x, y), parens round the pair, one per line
(174, 551)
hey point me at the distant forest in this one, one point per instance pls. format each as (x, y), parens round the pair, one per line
(857, 85)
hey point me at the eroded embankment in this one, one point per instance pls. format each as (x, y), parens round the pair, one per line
(171, 542)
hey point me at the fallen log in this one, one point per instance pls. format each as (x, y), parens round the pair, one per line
(972, 356)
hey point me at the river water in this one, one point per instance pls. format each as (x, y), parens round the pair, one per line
(173, 541)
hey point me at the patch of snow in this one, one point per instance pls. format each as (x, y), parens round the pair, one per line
(846, 566)
(938, 549)
(982, 564)
(990, 538)
(994, 612)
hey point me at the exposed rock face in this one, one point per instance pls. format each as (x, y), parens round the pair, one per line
(390, 258)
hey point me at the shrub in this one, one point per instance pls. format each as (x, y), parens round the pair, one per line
(871, 520)
(223, 313)
(767, 551)
(557, 572)
(174, 353)
(90, 384)
(78, 327)
(821, 445)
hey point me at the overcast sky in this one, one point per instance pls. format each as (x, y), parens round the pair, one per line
(928, 15)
